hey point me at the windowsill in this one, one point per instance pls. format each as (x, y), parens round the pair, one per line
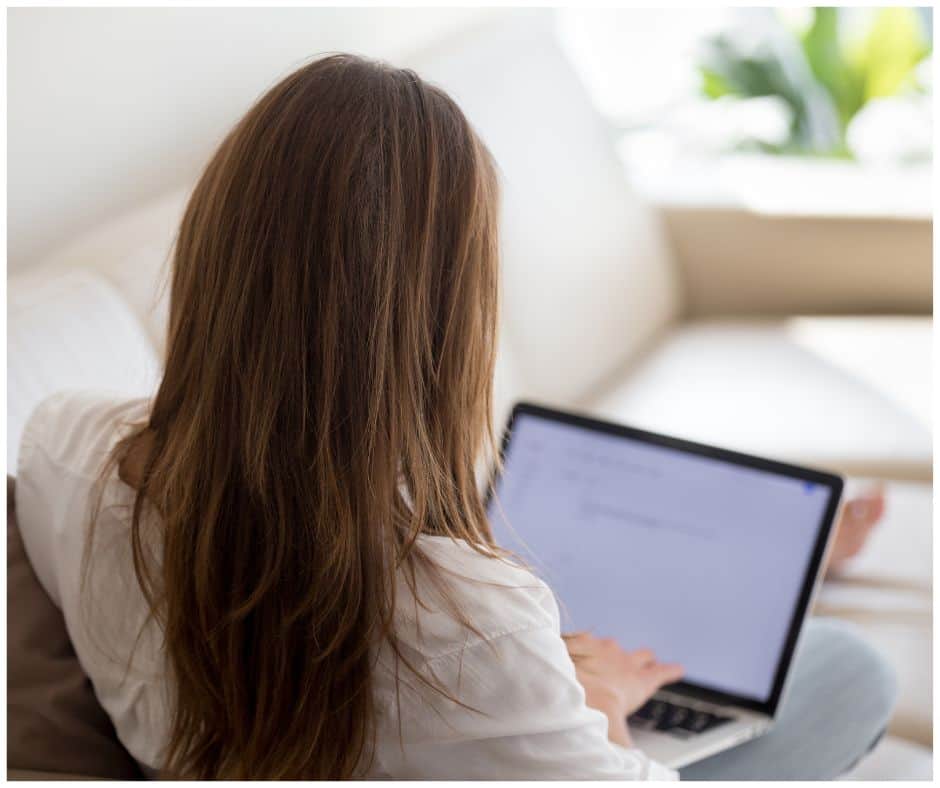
(781, 186)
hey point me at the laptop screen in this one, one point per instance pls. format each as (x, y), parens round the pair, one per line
(701, 559)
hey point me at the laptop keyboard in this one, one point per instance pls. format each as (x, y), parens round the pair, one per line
(673, 718)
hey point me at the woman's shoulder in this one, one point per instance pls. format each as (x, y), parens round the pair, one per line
(65, 443)
(498, 595)
(74, 431)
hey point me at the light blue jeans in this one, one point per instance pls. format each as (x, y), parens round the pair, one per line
(839, 701)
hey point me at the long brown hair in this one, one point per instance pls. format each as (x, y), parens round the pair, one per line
(326, 397)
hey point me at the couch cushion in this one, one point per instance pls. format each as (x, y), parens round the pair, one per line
(587, 274)
(70, 330)
(54, 721)
(894, 759)
(847, 394)
(132, 252)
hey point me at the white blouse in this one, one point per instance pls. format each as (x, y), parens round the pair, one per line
(530, 719)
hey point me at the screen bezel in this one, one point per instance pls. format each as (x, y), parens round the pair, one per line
(831, 481)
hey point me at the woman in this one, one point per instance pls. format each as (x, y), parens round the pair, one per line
(281, 567)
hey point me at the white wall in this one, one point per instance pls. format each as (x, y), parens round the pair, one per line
(110, 106)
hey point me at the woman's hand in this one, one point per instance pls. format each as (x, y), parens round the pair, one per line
(617, 682)
(859, 517)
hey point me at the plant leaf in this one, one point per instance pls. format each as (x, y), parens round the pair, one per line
(895, 44)
(842, 79)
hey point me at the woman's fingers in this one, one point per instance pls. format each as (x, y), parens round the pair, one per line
(590, 651)
(662, 674)
(581, 644)
(643, 657)
(581, 634)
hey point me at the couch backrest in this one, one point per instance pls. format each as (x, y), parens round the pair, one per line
(587, 275)
(131, 251)
(588, 278)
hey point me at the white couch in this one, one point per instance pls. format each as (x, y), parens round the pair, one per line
(593, 317)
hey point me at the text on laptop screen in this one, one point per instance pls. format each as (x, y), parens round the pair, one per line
(696, 558)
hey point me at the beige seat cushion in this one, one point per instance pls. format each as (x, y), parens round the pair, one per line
(847, 394)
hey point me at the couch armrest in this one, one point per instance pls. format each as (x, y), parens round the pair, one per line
(736, 262)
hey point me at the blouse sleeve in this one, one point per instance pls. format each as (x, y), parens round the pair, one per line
(523, 717)
(43, 496)
(64, 445)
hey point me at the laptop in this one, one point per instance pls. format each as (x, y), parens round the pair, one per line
(706, 556)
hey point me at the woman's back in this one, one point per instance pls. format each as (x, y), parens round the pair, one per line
(516, 709)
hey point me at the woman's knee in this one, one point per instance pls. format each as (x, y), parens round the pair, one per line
(855, 658)
(841, 699)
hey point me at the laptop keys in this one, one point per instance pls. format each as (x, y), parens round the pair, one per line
(651, 712)
(700, 721)
(675, 719)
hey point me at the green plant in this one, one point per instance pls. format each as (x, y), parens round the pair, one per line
(825, 73)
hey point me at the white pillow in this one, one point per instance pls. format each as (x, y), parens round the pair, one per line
(132, 251)
(70, 330)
